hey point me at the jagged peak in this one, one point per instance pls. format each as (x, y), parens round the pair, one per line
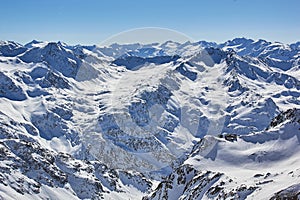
(11, 48)
(36, 44)
(169, 42)
(9, 42)
(240, 40)
(204, 43)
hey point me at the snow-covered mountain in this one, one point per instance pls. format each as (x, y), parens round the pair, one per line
(250, 166)
(158, 121)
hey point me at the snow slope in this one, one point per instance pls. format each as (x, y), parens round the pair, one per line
(251, 166)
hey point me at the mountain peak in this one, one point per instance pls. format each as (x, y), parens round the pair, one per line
(241, 40)
(10, 48)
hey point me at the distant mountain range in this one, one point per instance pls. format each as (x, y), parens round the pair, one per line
(197, 120)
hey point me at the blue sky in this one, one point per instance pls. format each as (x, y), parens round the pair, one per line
(92, 21)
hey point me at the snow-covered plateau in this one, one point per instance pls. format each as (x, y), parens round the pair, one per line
(197, 120)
